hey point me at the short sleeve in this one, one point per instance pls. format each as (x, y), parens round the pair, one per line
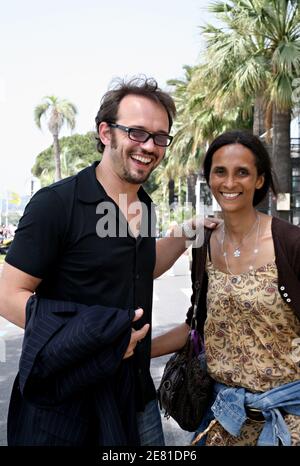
(38, 238)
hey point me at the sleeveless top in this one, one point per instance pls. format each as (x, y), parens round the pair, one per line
(252, 340)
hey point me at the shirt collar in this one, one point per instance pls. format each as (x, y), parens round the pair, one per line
(91, 191)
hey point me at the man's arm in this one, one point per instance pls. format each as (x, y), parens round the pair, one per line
(170, 342)
(16, 287)
(170, 248)
(30, 255)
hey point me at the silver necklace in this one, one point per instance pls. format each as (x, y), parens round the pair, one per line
(237, 250)
(255, 250)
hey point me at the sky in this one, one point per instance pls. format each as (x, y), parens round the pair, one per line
(73, 49)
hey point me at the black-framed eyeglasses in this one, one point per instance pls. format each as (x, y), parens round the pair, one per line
(141, 135)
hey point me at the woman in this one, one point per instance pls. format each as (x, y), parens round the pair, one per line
(249, 311)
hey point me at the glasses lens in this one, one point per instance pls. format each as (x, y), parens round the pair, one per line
(162, 140)
(138, 135)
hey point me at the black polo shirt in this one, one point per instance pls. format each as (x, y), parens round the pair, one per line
(58, 240)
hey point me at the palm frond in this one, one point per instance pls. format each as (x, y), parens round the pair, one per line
(39, 112)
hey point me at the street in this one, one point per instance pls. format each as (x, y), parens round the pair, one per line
(170, 303)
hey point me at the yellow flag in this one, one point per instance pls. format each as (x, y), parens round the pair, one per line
(14, 198)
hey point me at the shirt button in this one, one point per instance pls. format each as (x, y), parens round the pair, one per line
(285, 295)
(137, 276)
(288, 300)
(282, 288)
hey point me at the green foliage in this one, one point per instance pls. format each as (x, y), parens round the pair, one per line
(78, 151)
(257, 52)
(56, 112)
(151, 184)
(13, 218)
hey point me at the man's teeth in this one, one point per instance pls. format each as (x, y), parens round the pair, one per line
(229, 195)
(142, 159)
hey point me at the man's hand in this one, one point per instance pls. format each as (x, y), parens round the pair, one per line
(191, 227)
(212, 222)
(136, 335)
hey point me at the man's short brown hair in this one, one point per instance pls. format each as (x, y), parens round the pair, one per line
(141, 86)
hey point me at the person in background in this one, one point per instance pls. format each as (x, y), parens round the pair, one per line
(249, 306)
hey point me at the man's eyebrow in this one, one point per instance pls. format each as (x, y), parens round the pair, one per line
(160, 131)
(245, 167)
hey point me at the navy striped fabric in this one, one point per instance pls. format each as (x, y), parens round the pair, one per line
(73, 387)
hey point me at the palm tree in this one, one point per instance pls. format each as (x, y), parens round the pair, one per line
(57, 112)
(197, 123)
(255, 58)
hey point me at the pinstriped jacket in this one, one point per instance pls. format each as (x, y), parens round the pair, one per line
(73, 388)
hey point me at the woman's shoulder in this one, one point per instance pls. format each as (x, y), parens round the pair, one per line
(285, 233)
(282, 226)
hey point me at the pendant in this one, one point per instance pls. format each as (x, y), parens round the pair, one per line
(255, 251)
(237, 252)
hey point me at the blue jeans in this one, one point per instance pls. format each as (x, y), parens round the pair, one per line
(150, 426)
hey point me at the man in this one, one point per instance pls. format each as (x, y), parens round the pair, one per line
(82, 265)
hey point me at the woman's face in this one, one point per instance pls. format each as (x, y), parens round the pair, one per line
(233, 177)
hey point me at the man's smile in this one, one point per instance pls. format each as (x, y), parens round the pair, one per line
(143, 159)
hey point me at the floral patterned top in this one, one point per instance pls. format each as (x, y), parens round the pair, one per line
(251, 334)
(251, 340)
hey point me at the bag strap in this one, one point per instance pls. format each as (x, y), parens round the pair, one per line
(200, 260)
(196, 302)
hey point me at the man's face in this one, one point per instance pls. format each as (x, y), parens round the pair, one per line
(134, 161)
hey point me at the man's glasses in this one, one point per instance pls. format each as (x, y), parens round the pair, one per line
(140, 135)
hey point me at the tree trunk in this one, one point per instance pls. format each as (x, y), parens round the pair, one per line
(56, 150)
(281, 154)
(171, 187)
(259, 117)
(191, 189)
